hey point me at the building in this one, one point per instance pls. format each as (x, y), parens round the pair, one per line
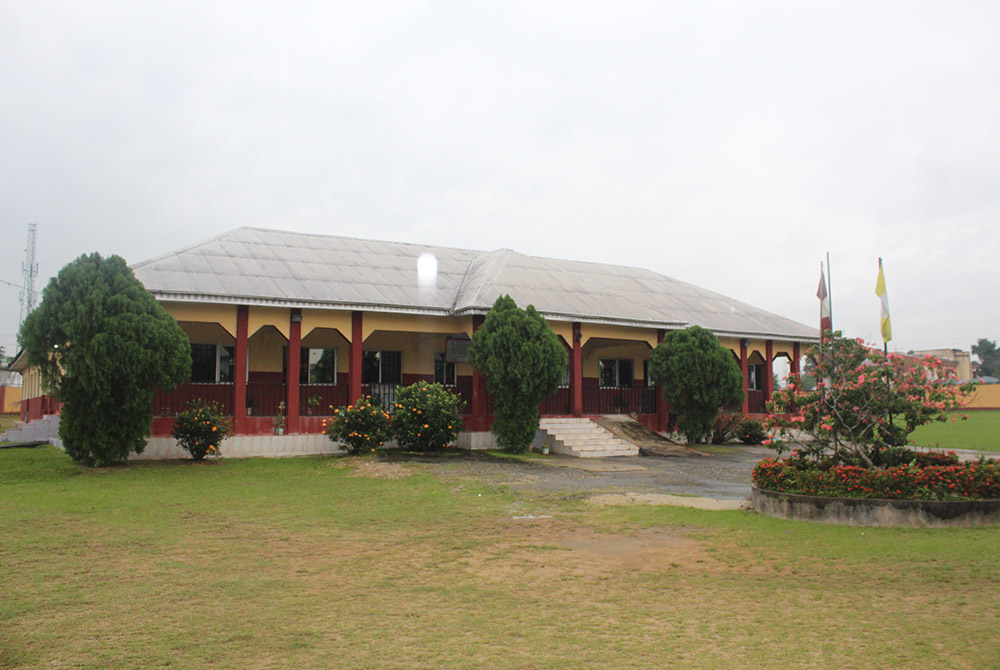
(315, 321)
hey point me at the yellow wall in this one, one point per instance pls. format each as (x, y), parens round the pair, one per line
(987, 396)
(325, 318)
(414, 323)
(418, 350)
(265, 349)
(637, 351)
(777, 347)
(225, 315)
(592, 330)
(31, 384)
(278, 317)
(11, 400)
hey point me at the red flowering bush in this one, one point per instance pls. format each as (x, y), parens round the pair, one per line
(363, 427)
(863, 403)
(916, 480)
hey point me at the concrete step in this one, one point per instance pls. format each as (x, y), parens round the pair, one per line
(582, 438)
(39, 430)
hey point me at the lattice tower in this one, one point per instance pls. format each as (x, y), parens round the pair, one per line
(29, 270)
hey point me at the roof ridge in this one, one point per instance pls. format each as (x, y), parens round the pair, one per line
(493, 257)
(177, 252)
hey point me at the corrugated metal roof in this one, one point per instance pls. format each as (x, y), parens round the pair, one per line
(277, 267)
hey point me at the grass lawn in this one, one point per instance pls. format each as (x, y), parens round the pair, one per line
(981, 431)
(354, 563)
(7, 421)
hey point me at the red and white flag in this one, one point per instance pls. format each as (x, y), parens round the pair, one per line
(825, 316)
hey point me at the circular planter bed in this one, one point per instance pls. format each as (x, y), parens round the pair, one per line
(874, 511)
(907, 488)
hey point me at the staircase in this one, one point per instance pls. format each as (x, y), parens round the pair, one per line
(45, 429)
(583, 438)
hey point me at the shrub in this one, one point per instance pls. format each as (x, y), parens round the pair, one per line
(865, 402)
(806, 476)
(751, 431)
(102, 345)
(363, 427)
(523, 361)
(697, 376)
(427, 417)
(725, 427)
(200, 429)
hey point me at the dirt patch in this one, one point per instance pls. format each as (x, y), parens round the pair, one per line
(547, 548)
(381, 470)
(713, 504)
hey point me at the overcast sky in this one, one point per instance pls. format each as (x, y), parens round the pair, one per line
(726, 144)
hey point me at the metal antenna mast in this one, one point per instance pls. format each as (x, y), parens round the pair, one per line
(29, 270)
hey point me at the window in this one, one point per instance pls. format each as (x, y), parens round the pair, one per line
(755, 377)
(318, 366)
(650, 382)
(212, 363)
(444, 372)
(615, 372)
(564, 384)
(382, 367)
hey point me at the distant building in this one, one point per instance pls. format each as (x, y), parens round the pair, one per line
(961, 360)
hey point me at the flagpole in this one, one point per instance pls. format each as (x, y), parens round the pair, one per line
(829, 287)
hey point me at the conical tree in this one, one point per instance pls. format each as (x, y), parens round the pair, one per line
(103, 344)
(523, 361)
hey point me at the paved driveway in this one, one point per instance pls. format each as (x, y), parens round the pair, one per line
(716, 472)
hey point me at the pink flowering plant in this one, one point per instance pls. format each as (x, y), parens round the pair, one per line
(849, 433)
(363, 427)
(864, 403)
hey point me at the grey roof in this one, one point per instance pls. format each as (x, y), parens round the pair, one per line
(258, 266)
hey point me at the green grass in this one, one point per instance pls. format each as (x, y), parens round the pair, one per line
(332, 562)
(7, 421)
(981, 432)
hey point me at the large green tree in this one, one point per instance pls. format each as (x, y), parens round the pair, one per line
(103, 344)
(523, 361)
(989, 357)
(698, 376)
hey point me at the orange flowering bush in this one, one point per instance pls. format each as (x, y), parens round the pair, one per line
(363, 427)
(427, 417)
(200, 429)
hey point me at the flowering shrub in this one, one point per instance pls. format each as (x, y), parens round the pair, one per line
(863, 403)
(200, 429)
(427, 417)
(363, 426)
(915, 480)
(751, 431)
(724, 426)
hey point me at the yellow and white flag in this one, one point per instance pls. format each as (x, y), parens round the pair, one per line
(881, 293)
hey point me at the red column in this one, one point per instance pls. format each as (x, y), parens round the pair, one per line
(293, 368)
(478, 388)
(357, 360)
(662, 409)
(746, 377)
(796, 355)
(240, 371)
(576, 370)
(768, 371)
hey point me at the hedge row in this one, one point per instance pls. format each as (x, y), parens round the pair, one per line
(911, 481)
